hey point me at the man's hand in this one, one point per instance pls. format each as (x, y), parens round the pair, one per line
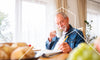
(65, 47)
(52, 35)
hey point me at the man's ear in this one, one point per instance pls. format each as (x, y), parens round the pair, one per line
(67, 19)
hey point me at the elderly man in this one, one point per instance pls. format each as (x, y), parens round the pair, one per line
(71, 34)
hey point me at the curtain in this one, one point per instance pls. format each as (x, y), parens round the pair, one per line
(81, 5)
(61, 5)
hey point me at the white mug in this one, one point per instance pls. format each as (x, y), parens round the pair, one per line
(59, 32)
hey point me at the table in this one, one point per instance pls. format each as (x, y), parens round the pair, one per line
(61, 56)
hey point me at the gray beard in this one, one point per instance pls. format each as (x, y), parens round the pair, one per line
(65, 29)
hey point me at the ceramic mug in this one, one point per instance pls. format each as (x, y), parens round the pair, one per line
(59, 32)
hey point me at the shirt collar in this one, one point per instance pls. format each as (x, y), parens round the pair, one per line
(70, 29)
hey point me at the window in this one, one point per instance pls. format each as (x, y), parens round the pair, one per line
(93, 13)
(33, 23)
(30, 21)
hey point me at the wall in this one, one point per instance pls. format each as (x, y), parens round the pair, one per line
(93, 13)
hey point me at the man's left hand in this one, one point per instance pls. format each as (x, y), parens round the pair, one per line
(65, 47)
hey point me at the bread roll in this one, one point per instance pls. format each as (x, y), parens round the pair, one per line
(16, 45)
(15, 51)
(22, 53)
(8, 50)
(3, 55)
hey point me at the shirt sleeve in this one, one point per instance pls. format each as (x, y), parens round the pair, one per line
(50, 45)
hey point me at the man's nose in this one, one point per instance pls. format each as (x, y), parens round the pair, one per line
(60, 25)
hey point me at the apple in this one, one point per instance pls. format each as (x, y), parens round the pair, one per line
(83, 52)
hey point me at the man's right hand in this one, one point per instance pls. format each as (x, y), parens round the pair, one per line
(52, 35)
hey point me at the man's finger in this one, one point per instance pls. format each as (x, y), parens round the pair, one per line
(63, 47)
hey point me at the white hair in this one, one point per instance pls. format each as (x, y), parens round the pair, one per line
(63, 14)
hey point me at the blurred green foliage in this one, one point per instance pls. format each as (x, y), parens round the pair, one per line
(88, 31)
(4, 26)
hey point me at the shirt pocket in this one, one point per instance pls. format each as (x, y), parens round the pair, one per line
(71, 43)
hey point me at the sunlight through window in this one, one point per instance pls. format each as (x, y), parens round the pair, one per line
(33, 24)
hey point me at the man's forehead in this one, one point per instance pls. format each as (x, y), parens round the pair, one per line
(59, 16)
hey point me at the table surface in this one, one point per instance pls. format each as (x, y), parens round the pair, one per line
(61, 56)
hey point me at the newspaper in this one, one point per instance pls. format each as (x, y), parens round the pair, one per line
(47, 53)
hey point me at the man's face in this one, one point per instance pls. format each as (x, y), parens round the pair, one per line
(61, 22)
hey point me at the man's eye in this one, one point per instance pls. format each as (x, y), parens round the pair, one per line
(61, 21)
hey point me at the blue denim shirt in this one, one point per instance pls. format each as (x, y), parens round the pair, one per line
(73, 39)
